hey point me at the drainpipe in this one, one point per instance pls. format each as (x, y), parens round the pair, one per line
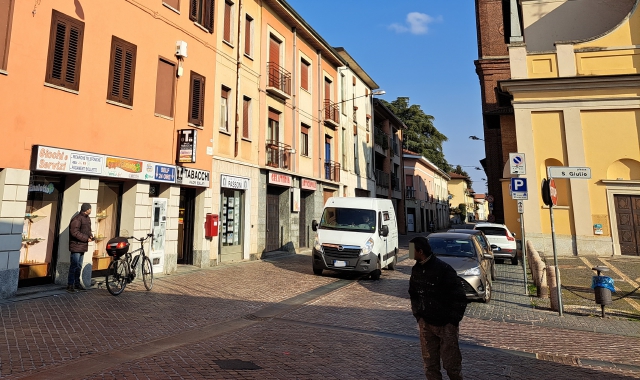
(238, 65)
(320, 86)
(294, 105)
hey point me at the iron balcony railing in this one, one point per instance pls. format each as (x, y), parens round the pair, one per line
(279, 78)
(410, 192)
(278, 154)
(382, 178)
(395, 183)
(381, 139)
(332, 171)
(331, 111)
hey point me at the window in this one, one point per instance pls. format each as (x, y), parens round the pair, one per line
(224, 109)
(343, 93)
(6, 15)
(196, 100)
(175, 4)
(304, 74)
(246, 117)
(201, 12)
(122, 71)
(228, 21)
(304, 140)
(65, 51)
(165, 87)
(248, 36)
(273, 128)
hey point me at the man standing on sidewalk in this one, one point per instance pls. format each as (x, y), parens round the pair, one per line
(79, 237)
(438, 302)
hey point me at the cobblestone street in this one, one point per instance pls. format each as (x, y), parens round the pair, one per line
(274, 319)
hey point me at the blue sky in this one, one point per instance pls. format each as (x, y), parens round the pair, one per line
(416, 48)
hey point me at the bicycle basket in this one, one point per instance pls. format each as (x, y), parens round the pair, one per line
(117, 246)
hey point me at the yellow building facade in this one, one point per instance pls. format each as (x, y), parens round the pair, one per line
(577, 104)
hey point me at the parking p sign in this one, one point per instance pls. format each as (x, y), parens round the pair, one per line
(519, 188)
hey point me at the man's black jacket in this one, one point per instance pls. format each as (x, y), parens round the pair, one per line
(437, 295)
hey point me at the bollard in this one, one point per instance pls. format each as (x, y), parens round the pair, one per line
(553, 293)
(543, 289)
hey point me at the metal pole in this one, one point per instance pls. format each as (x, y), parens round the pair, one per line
(524, 254)
(555, 260)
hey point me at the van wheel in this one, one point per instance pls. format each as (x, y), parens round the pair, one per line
(317, 271)
(375, 275)
(393, 263)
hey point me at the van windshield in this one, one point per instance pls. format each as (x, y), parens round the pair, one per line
(348, 219)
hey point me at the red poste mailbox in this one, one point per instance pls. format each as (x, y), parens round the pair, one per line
(211, 225)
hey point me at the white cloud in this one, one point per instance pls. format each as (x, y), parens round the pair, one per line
(416, 23)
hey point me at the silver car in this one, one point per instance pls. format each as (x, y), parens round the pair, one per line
(468, 259)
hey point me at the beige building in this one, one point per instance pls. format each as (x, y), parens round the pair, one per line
(461, 194)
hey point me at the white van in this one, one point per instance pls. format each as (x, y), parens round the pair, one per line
(356, 234)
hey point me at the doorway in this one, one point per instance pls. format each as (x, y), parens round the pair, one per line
(186, 215)
(273, 220)
(411, 217)
(628, 221)
(231, 225)
(107, 217)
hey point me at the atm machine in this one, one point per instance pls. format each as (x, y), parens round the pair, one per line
(159, 231)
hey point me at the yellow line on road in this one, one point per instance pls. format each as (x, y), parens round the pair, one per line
(624, 277)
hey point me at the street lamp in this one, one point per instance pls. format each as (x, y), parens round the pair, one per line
(476, 138)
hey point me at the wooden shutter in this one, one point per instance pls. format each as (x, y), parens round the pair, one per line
(274, 51)
(227, 22)
(246, 106)
(6, 16)
(175, 4)
(224, 109)
(304, 75)
(65, 51)
(122, 69)
(196, 99)
(165, 87)
(409, 179)
(327, 89)
(207, 15)
(193, 9)
(248, 35)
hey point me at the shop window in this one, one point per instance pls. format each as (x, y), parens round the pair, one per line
(107, 216)
(39, 234)
(65, 51)
(231, 221)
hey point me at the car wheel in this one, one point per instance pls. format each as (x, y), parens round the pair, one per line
(375, 275)
(487, 291)
(392, 264)
(493, 271)
(514, 260)
(499, 261)
(317, 271)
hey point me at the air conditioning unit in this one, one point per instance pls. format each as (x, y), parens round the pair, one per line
(181, 49)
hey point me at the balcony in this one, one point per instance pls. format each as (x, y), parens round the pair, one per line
(279, 81)
(410, 193)
(332, 171)
(381, 139)
(382, 178)
(395, 183)
(278, 154)
(331, 113)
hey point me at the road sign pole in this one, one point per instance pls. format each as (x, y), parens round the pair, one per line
(555, 259)
(524, 254)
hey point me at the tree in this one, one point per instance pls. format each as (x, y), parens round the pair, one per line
(463, 209)
(421, 136)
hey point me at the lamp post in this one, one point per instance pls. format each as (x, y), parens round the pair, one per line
(476, 138)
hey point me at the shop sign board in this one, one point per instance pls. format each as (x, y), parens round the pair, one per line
(232, 182)
(280, 179)
(308, 184)
(192, 177)
(75, 162)
(187, 139)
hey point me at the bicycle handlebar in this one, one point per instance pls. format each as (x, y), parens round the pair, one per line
(140, 239)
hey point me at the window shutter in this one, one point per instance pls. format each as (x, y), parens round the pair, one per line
(196, 101)
(165, 87)
(175, 4)
(247, 35)
(274, 51)
(65, 51)
(193, 10)
(207, 15)
(227, 22)
(273, 115)
(304, 75)
(122, 71)
(409, 179)
(245, 117)
(6, 12)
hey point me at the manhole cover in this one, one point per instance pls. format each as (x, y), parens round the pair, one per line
(235, 364)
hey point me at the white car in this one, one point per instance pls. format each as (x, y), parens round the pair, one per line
(501, 239)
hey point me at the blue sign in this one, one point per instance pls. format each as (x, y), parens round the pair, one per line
(518, 185)
(165, 173)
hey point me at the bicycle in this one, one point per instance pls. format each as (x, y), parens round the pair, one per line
(122, 270)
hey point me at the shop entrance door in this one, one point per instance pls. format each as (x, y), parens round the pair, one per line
(303, 222)
(628, 220)
(231, 225)
(186, 218)
(107, 216)
(273, 221)
(411, 220)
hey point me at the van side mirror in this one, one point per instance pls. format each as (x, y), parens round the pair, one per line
(314, 225)
(384, 230)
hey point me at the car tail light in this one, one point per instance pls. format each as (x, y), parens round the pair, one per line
(508, 235)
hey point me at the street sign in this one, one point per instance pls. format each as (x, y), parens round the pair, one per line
(491, 218)
(569, 172)
(490, 198)
(519, 188)
(516, 163)
(490, 206)
(520, 207)
(553, 192)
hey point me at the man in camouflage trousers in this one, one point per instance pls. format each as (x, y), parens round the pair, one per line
(438, 302)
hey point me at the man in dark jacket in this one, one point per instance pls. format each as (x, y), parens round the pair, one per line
(438, 302)
(79, 237)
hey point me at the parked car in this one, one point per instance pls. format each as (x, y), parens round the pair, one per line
(484, 242)
(467, 257)
(504, 240)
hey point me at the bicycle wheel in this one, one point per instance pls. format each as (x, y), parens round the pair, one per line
(147, 273)
(117, 275)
